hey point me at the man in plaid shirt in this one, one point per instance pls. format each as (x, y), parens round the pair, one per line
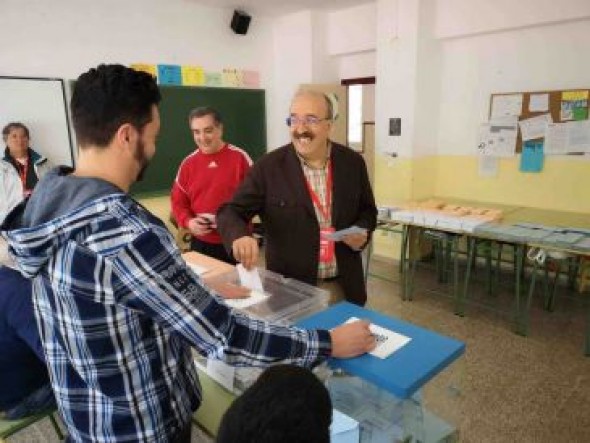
(116, 306)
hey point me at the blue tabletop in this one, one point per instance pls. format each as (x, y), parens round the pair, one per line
(407, 369)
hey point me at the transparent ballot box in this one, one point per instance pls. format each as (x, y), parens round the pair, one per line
(284, 301)
(384, 392)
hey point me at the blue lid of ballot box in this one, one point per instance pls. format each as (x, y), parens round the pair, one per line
(406, 370)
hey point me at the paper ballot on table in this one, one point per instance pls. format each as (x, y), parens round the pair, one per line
(199, 270)
(387, 341)
(339, 235)
(250, 278)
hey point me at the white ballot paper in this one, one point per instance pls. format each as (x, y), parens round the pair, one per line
(339, 235)
(387, 341)
(242, 303)
(199, 270)
(250, 278)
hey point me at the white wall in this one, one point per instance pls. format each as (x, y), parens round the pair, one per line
(63, 38)
(466, 17)
(352, 30)
(542, 57)
(360, 64)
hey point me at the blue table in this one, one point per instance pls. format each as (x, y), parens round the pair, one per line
(407, 369)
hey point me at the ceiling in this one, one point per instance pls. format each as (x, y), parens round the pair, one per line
(280, 7)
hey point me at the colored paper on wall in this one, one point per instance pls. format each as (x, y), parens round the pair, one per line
(169, 75)
(574, 105)
(251, 79)
(213, 79)
(193, 76)
(574, 95)
(532, 157)
(145, 67)
(232, 78)
(580, 113)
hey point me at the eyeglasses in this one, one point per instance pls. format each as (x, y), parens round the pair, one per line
(308, 120)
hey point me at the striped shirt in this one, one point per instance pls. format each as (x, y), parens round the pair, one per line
(118, 311)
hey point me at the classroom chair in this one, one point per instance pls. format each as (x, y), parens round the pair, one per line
(445, 247)
(11, 427)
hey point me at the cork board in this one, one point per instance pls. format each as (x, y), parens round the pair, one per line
(555, 99)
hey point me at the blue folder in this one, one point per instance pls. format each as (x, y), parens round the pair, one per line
(406, 370)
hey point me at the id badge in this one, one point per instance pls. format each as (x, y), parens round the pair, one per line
(326, 246)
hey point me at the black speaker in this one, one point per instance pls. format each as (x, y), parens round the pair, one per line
(240, 22)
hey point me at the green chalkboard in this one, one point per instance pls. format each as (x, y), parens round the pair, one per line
(244, 122)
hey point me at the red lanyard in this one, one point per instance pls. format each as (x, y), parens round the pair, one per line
(22, 171)
(324, 210)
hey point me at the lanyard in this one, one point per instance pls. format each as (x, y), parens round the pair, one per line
(324, 210)
(22, 172)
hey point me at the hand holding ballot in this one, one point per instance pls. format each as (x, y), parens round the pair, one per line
(354, 237)
(352, 339)
(245, 250)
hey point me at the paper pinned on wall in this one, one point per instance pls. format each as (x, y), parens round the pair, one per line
(506, 105)
(169, 75)
(534, 127)
(498, 137)
(578, 136)
(145, 67)
(574, 105)
(531, 159)
(212, 79)
(556, 139)
(251, 79)
(488, 166)
(539, 102)
(193, 76)
(232, 78)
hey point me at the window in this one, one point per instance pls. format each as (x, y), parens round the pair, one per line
(355, 114)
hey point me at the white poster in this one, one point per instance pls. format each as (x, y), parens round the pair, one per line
(498, 137)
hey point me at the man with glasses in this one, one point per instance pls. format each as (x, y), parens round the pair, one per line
(303, 192)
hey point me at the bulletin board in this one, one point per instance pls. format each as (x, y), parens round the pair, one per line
(554, 108)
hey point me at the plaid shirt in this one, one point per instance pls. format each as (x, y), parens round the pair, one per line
(317, 179)
(117, 309)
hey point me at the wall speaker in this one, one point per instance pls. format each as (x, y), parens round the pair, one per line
(240, 22)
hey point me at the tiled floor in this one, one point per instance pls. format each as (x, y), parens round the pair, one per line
(513, 388)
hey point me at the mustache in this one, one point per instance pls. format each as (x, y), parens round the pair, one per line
(305, 134)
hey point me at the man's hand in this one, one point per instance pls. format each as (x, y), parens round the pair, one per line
(245, 250)
(199, 226)
(356, 241)
(352, 339)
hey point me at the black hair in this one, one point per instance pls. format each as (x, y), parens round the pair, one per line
(202, 111)
(287, 404)
(108, 96)
(14, 125)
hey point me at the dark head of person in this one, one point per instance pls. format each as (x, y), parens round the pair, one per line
(287, 404)
(109, 96)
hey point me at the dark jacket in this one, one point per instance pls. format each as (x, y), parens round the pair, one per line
(22, 362)
(275, 190)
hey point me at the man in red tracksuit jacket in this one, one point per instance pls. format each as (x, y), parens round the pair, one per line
(207, 178)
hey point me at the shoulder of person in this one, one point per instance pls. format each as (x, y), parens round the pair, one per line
(5, 166)
(239, 151)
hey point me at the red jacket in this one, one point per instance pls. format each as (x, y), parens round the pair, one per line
(205, 181)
